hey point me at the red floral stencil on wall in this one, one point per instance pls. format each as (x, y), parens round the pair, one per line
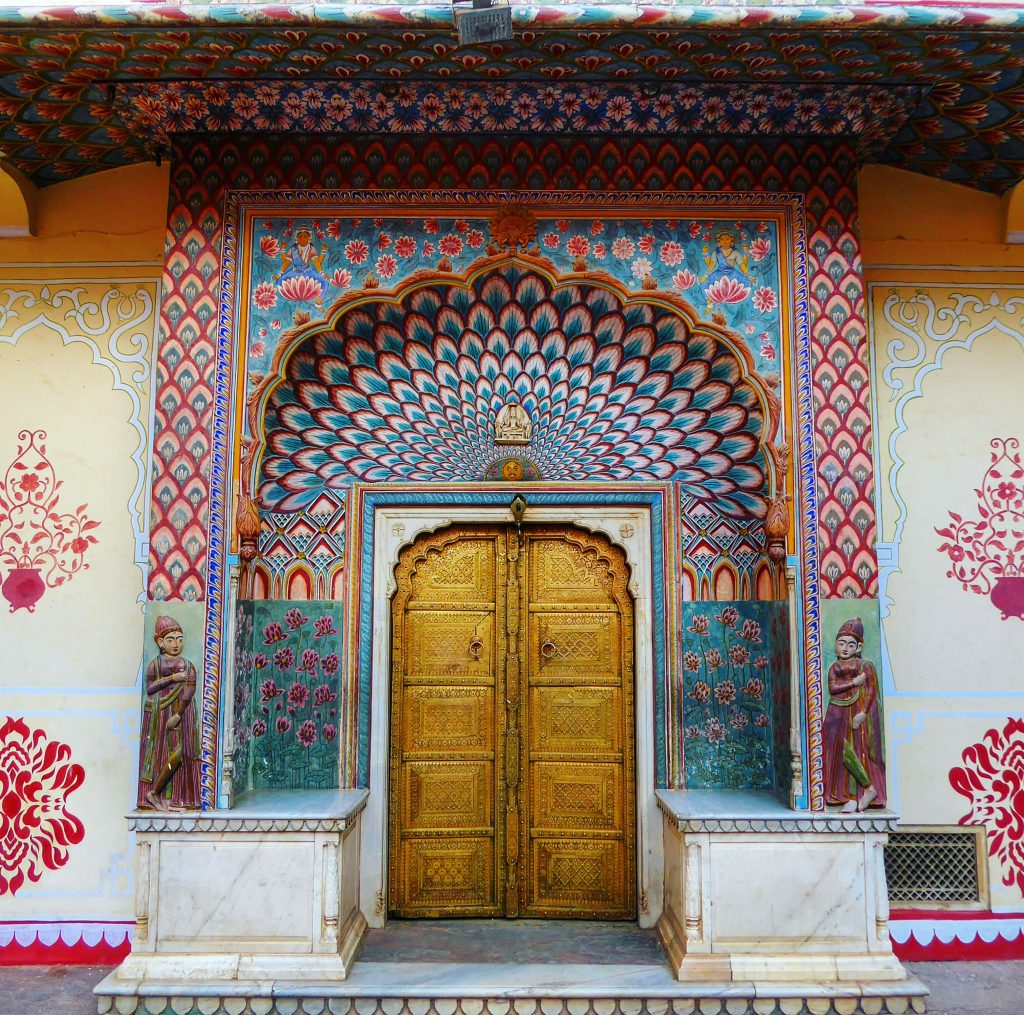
(987, 555)
(40, 547)
(992, 779)
(36, 829)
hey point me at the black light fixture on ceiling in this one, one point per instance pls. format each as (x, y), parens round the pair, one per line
(482, 21)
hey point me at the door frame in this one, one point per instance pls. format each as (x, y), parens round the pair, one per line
(629, 527)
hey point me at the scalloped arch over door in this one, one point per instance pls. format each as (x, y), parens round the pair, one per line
(512, 731)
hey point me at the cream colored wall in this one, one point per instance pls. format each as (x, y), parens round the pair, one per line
(78, 320)
(946, 304)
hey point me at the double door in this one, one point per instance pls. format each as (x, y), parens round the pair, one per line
(512, 764)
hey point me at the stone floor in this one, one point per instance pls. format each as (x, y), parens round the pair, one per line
(958, 988)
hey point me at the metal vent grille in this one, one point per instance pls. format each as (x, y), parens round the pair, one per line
(936, 867)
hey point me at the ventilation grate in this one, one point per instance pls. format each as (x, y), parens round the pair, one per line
(936, 867)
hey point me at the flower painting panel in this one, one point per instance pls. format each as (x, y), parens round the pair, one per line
(728, 695)
(293, 675)
(299, 266)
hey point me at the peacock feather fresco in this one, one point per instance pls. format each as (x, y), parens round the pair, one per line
(615, 390)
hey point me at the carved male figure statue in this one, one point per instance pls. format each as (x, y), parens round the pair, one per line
(854, 765)
(169, 739)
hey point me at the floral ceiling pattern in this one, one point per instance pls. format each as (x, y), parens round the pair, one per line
(76, 84)
(613, 390)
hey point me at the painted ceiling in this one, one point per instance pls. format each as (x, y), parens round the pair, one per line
(938, 89)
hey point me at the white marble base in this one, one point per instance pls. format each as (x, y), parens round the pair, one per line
(265, 892)
(756, 892)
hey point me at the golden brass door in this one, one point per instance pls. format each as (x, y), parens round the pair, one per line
(512, 786)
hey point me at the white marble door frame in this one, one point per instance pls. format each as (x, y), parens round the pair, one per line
(395, 528)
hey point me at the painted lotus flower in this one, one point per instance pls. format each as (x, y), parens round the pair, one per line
(269, 246)
(411, 390)
(682, 280)
(300, 288)
(727, 290)
(992, 780)
(765, 299)
(759, 248)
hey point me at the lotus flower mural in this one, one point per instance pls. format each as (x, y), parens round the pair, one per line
(300, 288)
(727, 290)
(411, 391)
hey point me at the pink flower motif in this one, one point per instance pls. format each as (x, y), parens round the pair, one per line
(300, 288)
(330, 731)
(450, 245)
(284, 658)
(323, 694)
(694, 229)
(295, 618)
(701, 624)
(701, 691)
(646, 244)
(738, 720)
(759, 248)
(714, 657)
(623, 247)
(551, 240)
(671, 253)
(298, 695)
(310, 661)
(728, 616)
(751, 631)
(330, 664)
(269, 690)
(715, 731)
(342, 278)
(641, 268)
(596, 227)
(270, 246)
(562, 225)
(739, 654)
(259, 727)
(383, 241)
(1006, 491)
(334, 229)
(386, 266)
(725, 692)
(323, 626)
(768, 352)
(577, 246)
(405, 246)
(283, 724)
(992, 780)
(275, 325)
(273, 632)
(761, 662)
(260, 661)
(682, 280)
(765, 299)
(691, 661)
(727, 290)
(754, 687)
(474, 238)
(461, 226)
(761, 720)
(36, 827)
(306, 733)
(264, 296)
(258, 349)
(428, 248)
(599, 251)
(431, 226)
(356, 251)
(692, 732)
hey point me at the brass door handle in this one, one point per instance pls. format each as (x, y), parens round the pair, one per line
(547, 648)
(476, 646)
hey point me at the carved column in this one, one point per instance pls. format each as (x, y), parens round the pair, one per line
(142, 856)
(796, 786)
(693, 907)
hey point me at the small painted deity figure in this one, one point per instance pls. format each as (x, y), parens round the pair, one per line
(727, 260)
(169, 752)
(854, 765)
(512, 425)
(301, 260)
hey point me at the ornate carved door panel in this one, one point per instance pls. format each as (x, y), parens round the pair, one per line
(512, 727)
(579, 766)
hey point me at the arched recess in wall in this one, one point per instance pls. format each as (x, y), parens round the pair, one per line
(406, 386)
